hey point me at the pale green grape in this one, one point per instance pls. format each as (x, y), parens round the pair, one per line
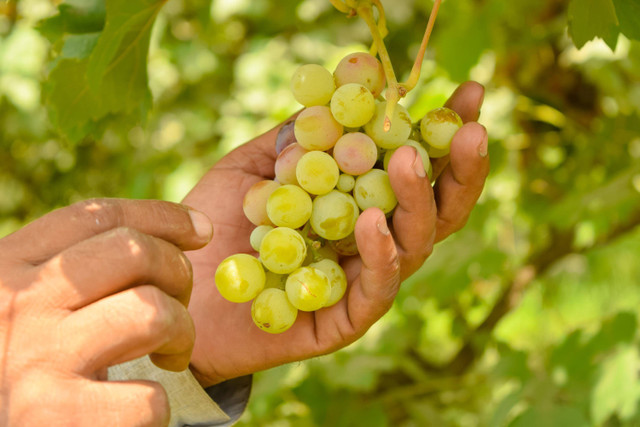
(337, 279)
(352, 105)
(373, 189)
(355, 153)
(438, 127)
(254, 203)
(312, 84)
(316, 129)
(422, 152)
(345, 183)
(436, 153)
(240, 277)
(308, 288)
(272, 312)
(317, 172)
(334, 215)
(282, 250)
(397, 134)
(289, 206)
(275, 280)
(258, 233)
(362, 68)
(285, 167)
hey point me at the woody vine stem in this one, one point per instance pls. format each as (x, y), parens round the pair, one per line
(395, 91)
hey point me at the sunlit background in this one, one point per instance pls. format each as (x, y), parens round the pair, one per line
(527, 317)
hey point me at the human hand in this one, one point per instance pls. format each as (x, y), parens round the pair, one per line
(229, 345)
(88, 286)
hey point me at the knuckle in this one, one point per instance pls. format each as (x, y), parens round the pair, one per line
(134, 247)
(102, 214)
(159, 403)
(160, 313)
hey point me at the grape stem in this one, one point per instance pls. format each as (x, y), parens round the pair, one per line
(395, 91)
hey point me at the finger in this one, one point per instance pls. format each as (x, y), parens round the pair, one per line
(85, 402)
(372, 295)
(131, 403)
(56, 231)
(466, 100)
(129, 325)
(126, 258)
(414, 219)
(461, 183)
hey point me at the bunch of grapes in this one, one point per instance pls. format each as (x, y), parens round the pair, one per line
(331, 165)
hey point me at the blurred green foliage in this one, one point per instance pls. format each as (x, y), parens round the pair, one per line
(527, 317)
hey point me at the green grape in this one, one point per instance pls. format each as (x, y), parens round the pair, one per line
(318, 254)
(275, 280)
(345, 183)
(436, 153)
(289, 206)
(272, 312)
(254, 203)
(282, 250)
(373, 189)
(317, 172)
(397, 134)
(422, 152)
(352, 105)
(312, 84)
(362, 68)
(337, 279)
(334, 215)
(355, 153)
(240, 277)
(316, 129)
(438, 127)
(308, 288)
(258, 233)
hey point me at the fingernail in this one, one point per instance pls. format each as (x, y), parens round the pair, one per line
(201, 224)
(418, 166)
(382, 225)
(483, 147)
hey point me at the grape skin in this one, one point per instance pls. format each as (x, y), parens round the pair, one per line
(282, 250)
(373, 189)
(398, 133)
(316, 129)
(345, 183)
(352, 105)
(355, 153)
(317, 172)
(240, 277)
(337, 279)
(285, 167)
(362, 68)
(258, 233)
(312, 84)
(272, 312)
(285, 136)
(334, 215)
(289, 206)
(254, 203)
(308, 289)
(438, 127)
(346, 246)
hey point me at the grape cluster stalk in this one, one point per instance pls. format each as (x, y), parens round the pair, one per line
(331, 165)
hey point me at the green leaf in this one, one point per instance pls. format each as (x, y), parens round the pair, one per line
(99, 75)
(75, 17)
(589, 19)
(616, 391)
(554, 416)
(628, 12)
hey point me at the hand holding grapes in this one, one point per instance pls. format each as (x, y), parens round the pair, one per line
(228, 344)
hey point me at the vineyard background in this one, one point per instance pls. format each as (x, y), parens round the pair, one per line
(527, 317)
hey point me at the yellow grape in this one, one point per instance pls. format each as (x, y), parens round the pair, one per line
(282, 250)
(240, 277)
(272, 312)
(308, 289)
